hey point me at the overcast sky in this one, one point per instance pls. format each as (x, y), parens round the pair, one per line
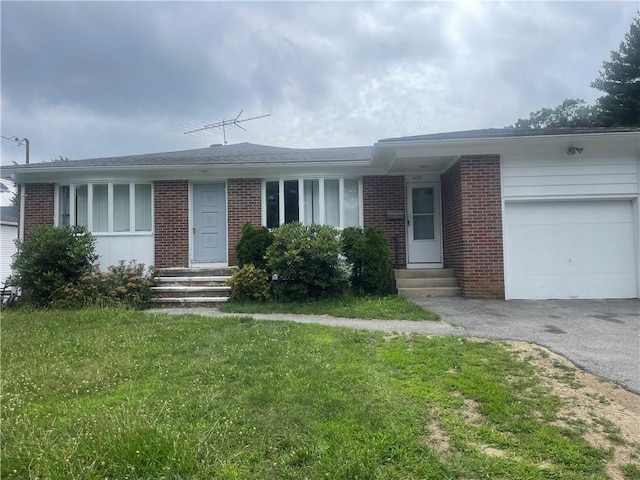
(93, 79)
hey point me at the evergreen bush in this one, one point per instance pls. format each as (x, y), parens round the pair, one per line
(369, 257)
(252, 246)
(49, 259)
(249, 283)
(306, 261)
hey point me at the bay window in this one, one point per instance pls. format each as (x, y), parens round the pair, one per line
(106, 207)
(329, 201)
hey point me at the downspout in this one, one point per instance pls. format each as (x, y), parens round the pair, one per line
(22, 205)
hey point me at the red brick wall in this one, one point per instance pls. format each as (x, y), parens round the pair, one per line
(38, 208)
(472, 225)
(382, 194)
(171, 223)
(244, 203)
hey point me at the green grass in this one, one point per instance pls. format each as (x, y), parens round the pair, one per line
(118, 394)
(391, 307)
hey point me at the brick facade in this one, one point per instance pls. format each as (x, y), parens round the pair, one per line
(38, 207)
(171, 223)
(380, 195)
(244, 204)
(472, 225)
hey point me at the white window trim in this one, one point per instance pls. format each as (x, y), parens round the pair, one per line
(321, 207)
(110, 233)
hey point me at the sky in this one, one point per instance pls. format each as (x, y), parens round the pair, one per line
(101, 79)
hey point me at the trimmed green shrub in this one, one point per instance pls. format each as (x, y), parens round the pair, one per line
(369, 256)
(49, 259)
(306, 260)
(253, 244)
(123, 285)
(249, 283)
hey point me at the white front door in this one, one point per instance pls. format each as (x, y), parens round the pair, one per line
(209, 223)
(424, 239)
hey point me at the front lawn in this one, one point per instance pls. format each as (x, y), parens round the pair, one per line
(119, 394)
(390, 307)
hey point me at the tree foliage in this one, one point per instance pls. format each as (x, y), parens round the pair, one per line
(620, 106)
(51, 258)
(571, 113)
(620, 81)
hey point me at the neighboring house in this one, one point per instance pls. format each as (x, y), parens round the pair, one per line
(8, 234)
(516, 213)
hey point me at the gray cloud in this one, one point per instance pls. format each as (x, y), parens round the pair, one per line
(85, 79)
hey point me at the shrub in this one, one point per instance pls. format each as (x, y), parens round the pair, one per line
(369, 256)
(123, 285)
(49, 259)
(249, 283)
(306, 260)
(253, 244)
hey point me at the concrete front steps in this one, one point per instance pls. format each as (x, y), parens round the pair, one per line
(191, 287)
(427, 282)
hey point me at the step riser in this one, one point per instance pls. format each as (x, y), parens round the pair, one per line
(429, 292)
(426, 282)
(188, 302)
(188, 283)
(192, 294)
(194, 272)
(425, 273)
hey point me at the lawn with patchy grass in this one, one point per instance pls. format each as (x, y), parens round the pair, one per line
(391, 307)
(119, 394)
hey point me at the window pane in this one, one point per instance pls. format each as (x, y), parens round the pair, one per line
(291, 207)
(121, 208)
(311, 201)
(272, 192)
(422, 200)
(82, 206)
(64, 205)
(332, 202)
(143, 208)
(423, 227)
(100, 208)
(351, 203)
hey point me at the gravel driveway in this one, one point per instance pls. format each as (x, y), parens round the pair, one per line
(600, 336)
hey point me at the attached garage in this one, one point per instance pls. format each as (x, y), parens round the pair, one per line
(570, 249)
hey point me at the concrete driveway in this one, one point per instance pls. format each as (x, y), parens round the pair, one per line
(600, 336)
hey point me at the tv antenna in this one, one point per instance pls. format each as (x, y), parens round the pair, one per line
(203, 129)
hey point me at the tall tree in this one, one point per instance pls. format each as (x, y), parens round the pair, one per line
(620, 80)
(571, 113)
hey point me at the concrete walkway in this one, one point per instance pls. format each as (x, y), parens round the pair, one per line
(600, 336)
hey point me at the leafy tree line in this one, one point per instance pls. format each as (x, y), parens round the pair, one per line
(619, 80)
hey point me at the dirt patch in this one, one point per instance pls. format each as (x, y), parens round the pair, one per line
(607, 412)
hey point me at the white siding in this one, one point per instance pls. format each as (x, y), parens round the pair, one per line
(558, 174)
(8, 233)
(114, 248)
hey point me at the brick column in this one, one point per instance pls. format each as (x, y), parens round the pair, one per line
(171, 223)
(382, 194)
(38, 207)
(472, 225)
(244, 204)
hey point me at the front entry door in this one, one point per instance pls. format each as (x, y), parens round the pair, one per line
(209, 223)
(424, 244)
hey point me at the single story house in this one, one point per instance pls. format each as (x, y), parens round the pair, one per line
(517, 214)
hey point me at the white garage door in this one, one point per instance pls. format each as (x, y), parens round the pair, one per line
(582, 249)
